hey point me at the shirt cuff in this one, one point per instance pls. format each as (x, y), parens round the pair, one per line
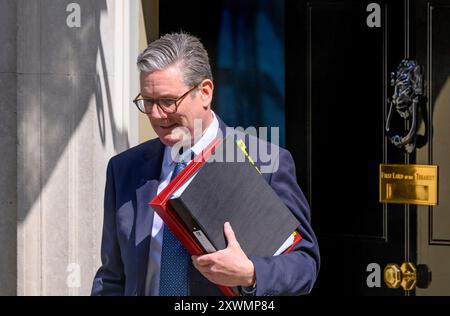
(248, 291)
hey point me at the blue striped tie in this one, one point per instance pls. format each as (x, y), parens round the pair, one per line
(174, 259)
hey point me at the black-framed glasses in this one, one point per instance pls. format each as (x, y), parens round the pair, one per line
(167, 105)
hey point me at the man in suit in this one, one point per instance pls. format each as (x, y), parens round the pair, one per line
(140, 256)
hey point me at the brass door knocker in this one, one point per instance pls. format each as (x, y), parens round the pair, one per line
(407, 99)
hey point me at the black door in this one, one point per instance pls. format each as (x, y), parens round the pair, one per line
(338, 83)
(337, 106)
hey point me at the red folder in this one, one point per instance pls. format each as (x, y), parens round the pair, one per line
(175, 223)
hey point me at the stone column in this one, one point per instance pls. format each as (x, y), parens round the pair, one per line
(68, 112)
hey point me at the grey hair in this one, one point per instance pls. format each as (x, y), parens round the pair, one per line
(177, 48)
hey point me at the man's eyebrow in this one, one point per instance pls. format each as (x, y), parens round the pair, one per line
(162, 96)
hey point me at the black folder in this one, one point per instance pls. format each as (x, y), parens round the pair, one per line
(235, 192)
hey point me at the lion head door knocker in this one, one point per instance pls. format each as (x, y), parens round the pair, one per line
(407, 99)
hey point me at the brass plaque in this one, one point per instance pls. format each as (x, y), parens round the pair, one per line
(409, 184)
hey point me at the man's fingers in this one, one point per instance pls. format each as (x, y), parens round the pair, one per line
(204, 270)
(229, 234)
(195, 264)
(203, 261)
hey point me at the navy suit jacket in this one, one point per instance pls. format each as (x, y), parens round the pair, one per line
(132, 181)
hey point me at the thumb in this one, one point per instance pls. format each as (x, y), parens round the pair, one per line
(229, 235)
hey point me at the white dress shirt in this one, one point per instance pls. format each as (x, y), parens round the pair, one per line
(168, 165)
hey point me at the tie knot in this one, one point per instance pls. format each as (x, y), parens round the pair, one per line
(179, 166)
(181, 161)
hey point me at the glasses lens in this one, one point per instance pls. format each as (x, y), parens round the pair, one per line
(168, 105)
(141, 105)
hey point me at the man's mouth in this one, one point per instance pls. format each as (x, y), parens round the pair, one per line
(167, 127)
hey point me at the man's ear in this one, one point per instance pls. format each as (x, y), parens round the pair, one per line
(206, 92)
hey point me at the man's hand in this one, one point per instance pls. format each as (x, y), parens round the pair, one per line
(230, 266)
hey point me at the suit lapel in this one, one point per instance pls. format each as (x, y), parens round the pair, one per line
(222, 126)
(148, 176)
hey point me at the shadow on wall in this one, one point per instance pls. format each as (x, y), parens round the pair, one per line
(58, 89)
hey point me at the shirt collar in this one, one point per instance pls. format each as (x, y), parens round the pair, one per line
(208, 136)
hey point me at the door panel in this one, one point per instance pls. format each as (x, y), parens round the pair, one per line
(334, 126)
(433, 51)
(337, 87)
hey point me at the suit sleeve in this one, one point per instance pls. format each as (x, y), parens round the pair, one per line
(109, 279)
(293, 273)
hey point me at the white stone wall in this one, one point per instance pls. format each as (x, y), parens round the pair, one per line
(65, 102)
